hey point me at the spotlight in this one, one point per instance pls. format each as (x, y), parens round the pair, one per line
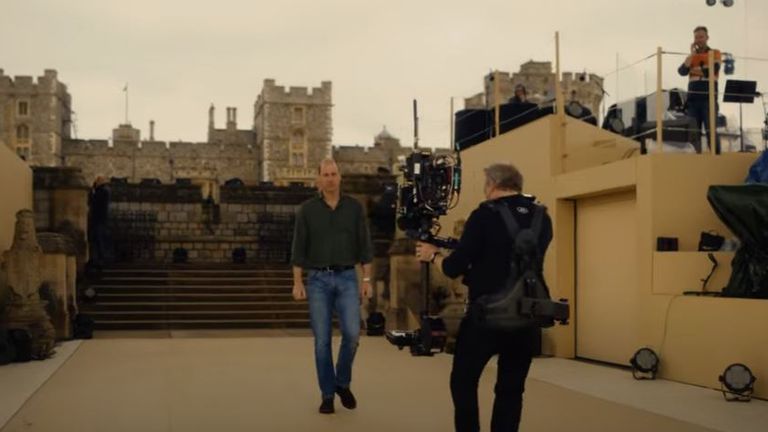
(574, 109)
(737, 383)
(711, 2)
(90, 294)
(616, 125)
(727, 3)
(645, 364)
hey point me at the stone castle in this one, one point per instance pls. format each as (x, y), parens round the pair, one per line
(291, 132)
(539, 81)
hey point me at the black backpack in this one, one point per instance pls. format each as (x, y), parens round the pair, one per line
(524, 301)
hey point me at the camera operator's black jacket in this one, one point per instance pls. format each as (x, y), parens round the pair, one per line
(485, 248)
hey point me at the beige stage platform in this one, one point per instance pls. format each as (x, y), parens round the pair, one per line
(213, 381)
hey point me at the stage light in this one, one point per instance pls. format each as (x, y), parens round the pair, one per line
(737, 383)
(727, 3)
(90, 294)
(616, 125)
(574, 109)
(711, 2)
(645, 364)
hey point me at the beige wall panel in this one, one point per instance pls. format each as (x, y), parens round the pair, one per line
(679, 184)
(677, 272)
(588, 146)
(15, 193)
(607, 293)
(704, 335)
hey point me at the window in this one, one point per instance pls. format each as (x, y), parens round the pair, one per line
(23, 152)
(297, 140)
(22, 134)
(297, 159)
(298, 115)
(23, 108)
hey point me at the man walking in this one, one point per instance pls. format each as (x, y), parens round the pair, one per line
(331, 236)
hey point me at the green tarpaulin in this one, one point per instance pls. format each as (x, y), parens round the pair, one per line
(744, 209)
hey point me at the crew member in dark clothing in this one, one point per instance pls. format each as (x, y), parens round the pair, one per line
(482, 257)
(98, 219)
(699, 72)
(521, 95)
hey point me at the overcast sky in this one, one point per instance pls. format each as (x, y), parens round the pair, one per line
(180, 56)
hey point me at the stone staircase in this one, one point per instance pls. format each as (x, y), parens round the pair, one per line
(194, 297)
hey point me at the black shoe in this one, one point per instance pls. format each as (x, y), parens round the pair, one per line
(347, 398)
(327, 406)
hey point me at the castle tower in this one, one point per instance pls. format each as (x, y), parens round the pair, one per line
(35, 117)
(539, 81)
(293, 131)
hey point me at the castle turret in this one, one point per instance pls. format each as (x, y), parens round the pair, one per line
(294, 130)
(36, 117)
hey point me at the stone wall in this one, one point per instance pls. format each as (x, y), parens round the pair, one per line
(164, 161)
(60, 197)
(149, 222)
(209, 233)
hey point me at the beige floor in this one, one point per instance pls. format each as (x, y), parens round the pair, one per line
(249, 383)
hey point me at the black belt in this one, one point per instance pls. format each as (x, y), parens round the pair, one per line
(333, 268)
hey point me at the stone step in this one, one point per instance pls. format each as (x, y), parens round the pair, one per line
(199, 289)
(194, 273)
(197, 267)
(206, 306)
(201, 324)
(194, 297)
(190, 281)
(197, 315)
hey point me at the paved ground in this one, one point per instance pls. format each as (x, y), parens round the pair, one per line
(247, 381)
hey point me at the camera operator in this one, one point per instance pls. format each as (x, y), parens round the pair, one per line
(483, 257)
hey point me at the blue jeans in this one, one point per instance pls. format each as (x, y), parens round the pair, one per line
(326, 292)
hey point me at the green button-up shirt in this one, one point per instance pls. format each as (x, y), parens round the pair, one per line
(331, 237)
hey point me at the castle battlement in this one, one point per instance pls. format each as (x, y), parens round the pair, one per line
(154, 147)
(273, 93)
(580, 78)
(47, 83)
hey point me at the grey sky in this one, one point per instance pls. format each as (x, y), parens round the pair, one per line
(178, 57)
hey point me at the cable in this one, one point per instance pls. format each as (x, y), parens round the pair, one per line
(666, 325)
(616, 71)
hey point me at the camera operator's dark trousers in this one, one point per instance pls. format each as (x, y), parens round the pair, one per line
(699, 110)
(474, 347)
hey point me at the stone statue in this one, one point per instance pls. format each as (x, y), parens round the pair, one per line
(23, 307)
